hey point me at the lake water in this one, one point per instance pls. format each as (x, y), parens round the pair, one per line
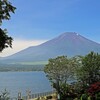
(14, 82)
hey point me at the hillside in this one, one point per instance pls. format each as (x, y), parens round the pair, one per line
(69, 43)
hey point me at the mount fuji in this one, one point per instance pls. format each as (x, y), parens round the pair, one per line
(68, 44)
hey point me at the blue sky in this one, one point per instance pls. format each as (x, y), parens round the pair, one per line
(41, 20)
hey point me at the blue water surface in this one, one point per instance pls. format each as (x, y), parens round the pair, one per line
(15, 82)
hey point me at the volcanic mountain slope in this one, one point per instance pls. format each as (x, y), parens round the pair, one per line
(69, 44)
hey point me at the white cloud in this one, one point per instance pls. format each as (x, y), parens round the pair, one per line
(19, 45)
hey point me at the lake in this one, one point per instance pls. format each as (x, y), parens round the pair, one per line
(15, 82)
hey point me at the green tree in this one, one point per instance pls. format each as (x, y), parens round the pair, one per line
(59, 70)
(89, 71)
(5, 40)
(5, 9)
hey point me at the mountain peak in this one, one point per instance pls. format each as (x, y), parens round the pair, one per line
(69, 35)
(68, 43)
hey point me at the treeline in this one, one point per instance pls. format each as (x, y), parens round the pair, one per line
(19, 67)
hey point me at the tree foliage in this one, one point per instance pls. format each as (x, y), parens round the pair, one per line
(89, 72)
(85, 68)
(59, 70)
(5, 40)
(5, 9)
